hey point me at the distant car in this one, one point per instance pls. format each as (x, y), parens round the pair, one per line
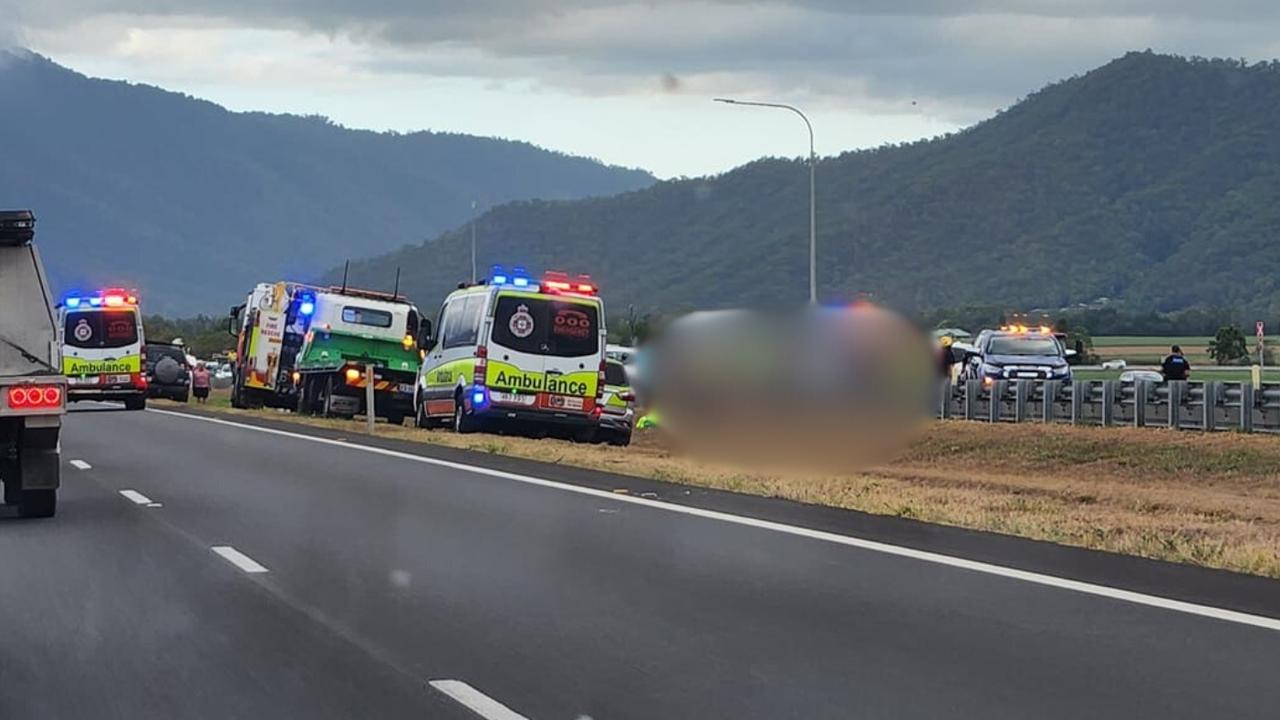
(1114, 365)
(168, 375)
(618, 414)
(622, 353)
(1015, 355)
(1143, 375)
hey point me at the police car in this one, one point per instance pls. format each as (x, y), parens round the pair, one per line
(515, 351)
(1016, 352)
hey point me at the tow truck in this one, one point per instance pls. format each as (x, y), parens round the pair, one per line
(307, 348)
(33, 390)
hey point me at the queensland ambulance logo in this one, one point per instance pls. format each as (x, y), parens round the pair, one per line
(521, 323)
(82, 331)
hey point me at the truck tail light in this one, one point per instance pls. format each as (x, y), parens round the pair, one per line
(35, 397)
(482, 364)
(600, 381)
(139, 381)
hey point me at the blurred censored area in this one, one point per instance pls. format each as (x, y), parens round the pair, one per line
(824, 389)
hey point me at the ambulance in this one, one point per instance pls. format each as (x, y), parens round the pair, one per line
(101, 338)
(512, 351)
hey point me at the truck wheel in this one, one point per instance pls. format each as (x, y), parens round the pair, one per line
(420, 418)
(326, 399)
(620, 439)
(395, 419)
(135, 403)
(305, 406)
(462, 422)
(38, 503)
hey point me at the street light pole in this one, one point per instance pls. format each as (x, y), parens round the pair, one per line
(473, 241)
(813, 190)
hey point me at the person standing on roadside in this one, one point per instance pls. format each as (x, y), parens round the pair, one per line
(946, 358)
(1175, 366)
(200, 383)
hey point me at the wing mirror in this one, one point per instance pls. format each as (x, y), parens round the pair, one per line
(233, 321)
(425, 340)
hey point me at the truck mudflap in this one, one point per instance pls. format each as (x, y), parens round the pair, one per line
(41, 455)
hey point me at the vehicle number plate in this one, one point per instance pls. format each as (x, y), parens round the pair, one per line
(406, 388)
(118, 379)
(513, 398)
(1028, 375)
(568, 402)
(89, 380)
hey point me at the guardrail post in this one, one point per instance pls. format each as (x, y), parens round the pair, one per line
(1139, 403)
(1078, 390)
(1177, 391)
(1108, 402)
(1246, 407)
(1048, 411)
(997, 393)
(944, 399)
(1020, 390)
(972, 388)
(1209, 405)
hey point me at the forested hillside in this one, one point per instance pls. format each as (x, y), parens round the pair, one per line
(1153, 181)
(192, 204)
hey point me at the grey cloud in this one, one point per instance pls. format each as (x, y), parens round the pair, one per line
(958, 54)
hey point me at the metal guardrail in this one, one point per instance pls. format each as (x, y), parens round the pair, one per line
(1182, 405)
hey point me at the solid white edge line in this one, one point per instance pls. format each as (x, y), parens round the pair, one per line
(239, 559)
(476, 701)
(81, 465)
(1036, 578)
(137, 497)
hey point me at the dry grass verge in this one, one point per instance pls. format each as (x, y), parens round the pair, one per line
(1211, 500)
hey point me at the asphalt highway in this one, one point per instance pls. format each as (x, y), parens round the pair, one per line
(206, 569)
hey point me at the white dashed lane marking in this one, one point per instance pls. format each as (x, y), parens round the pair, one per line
(137, 497)
(476, 701)
(239, 559)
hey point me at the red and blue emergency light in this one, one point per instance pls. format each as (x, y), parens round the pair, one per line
(556, 281)
(553, 281)
(518, 277)
(111, 297)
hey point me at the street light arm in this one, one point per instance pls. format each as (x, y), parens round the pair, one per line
(783, 106)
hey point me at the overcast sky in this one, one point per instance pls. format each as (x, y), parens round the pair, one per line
(630, 82)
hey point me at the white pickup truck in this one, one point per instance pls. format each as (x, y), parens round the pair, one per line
(33, 390)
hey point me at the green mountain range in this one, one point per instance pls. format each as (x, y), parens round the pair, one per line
(1153, 181)
(192, 204)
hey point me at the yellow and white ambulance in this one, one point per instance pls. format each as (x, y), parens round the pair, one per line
(514, 351)
(101, 338)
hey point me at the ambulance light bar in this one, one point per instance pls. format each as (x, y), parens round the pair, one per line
(111, 297)
(518, 277)
(556, 281)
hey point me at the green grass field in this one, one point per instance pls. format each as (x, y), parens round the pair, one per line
(1149, 340)
(1197, 373)
(1139, 350)
(1142, 352)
